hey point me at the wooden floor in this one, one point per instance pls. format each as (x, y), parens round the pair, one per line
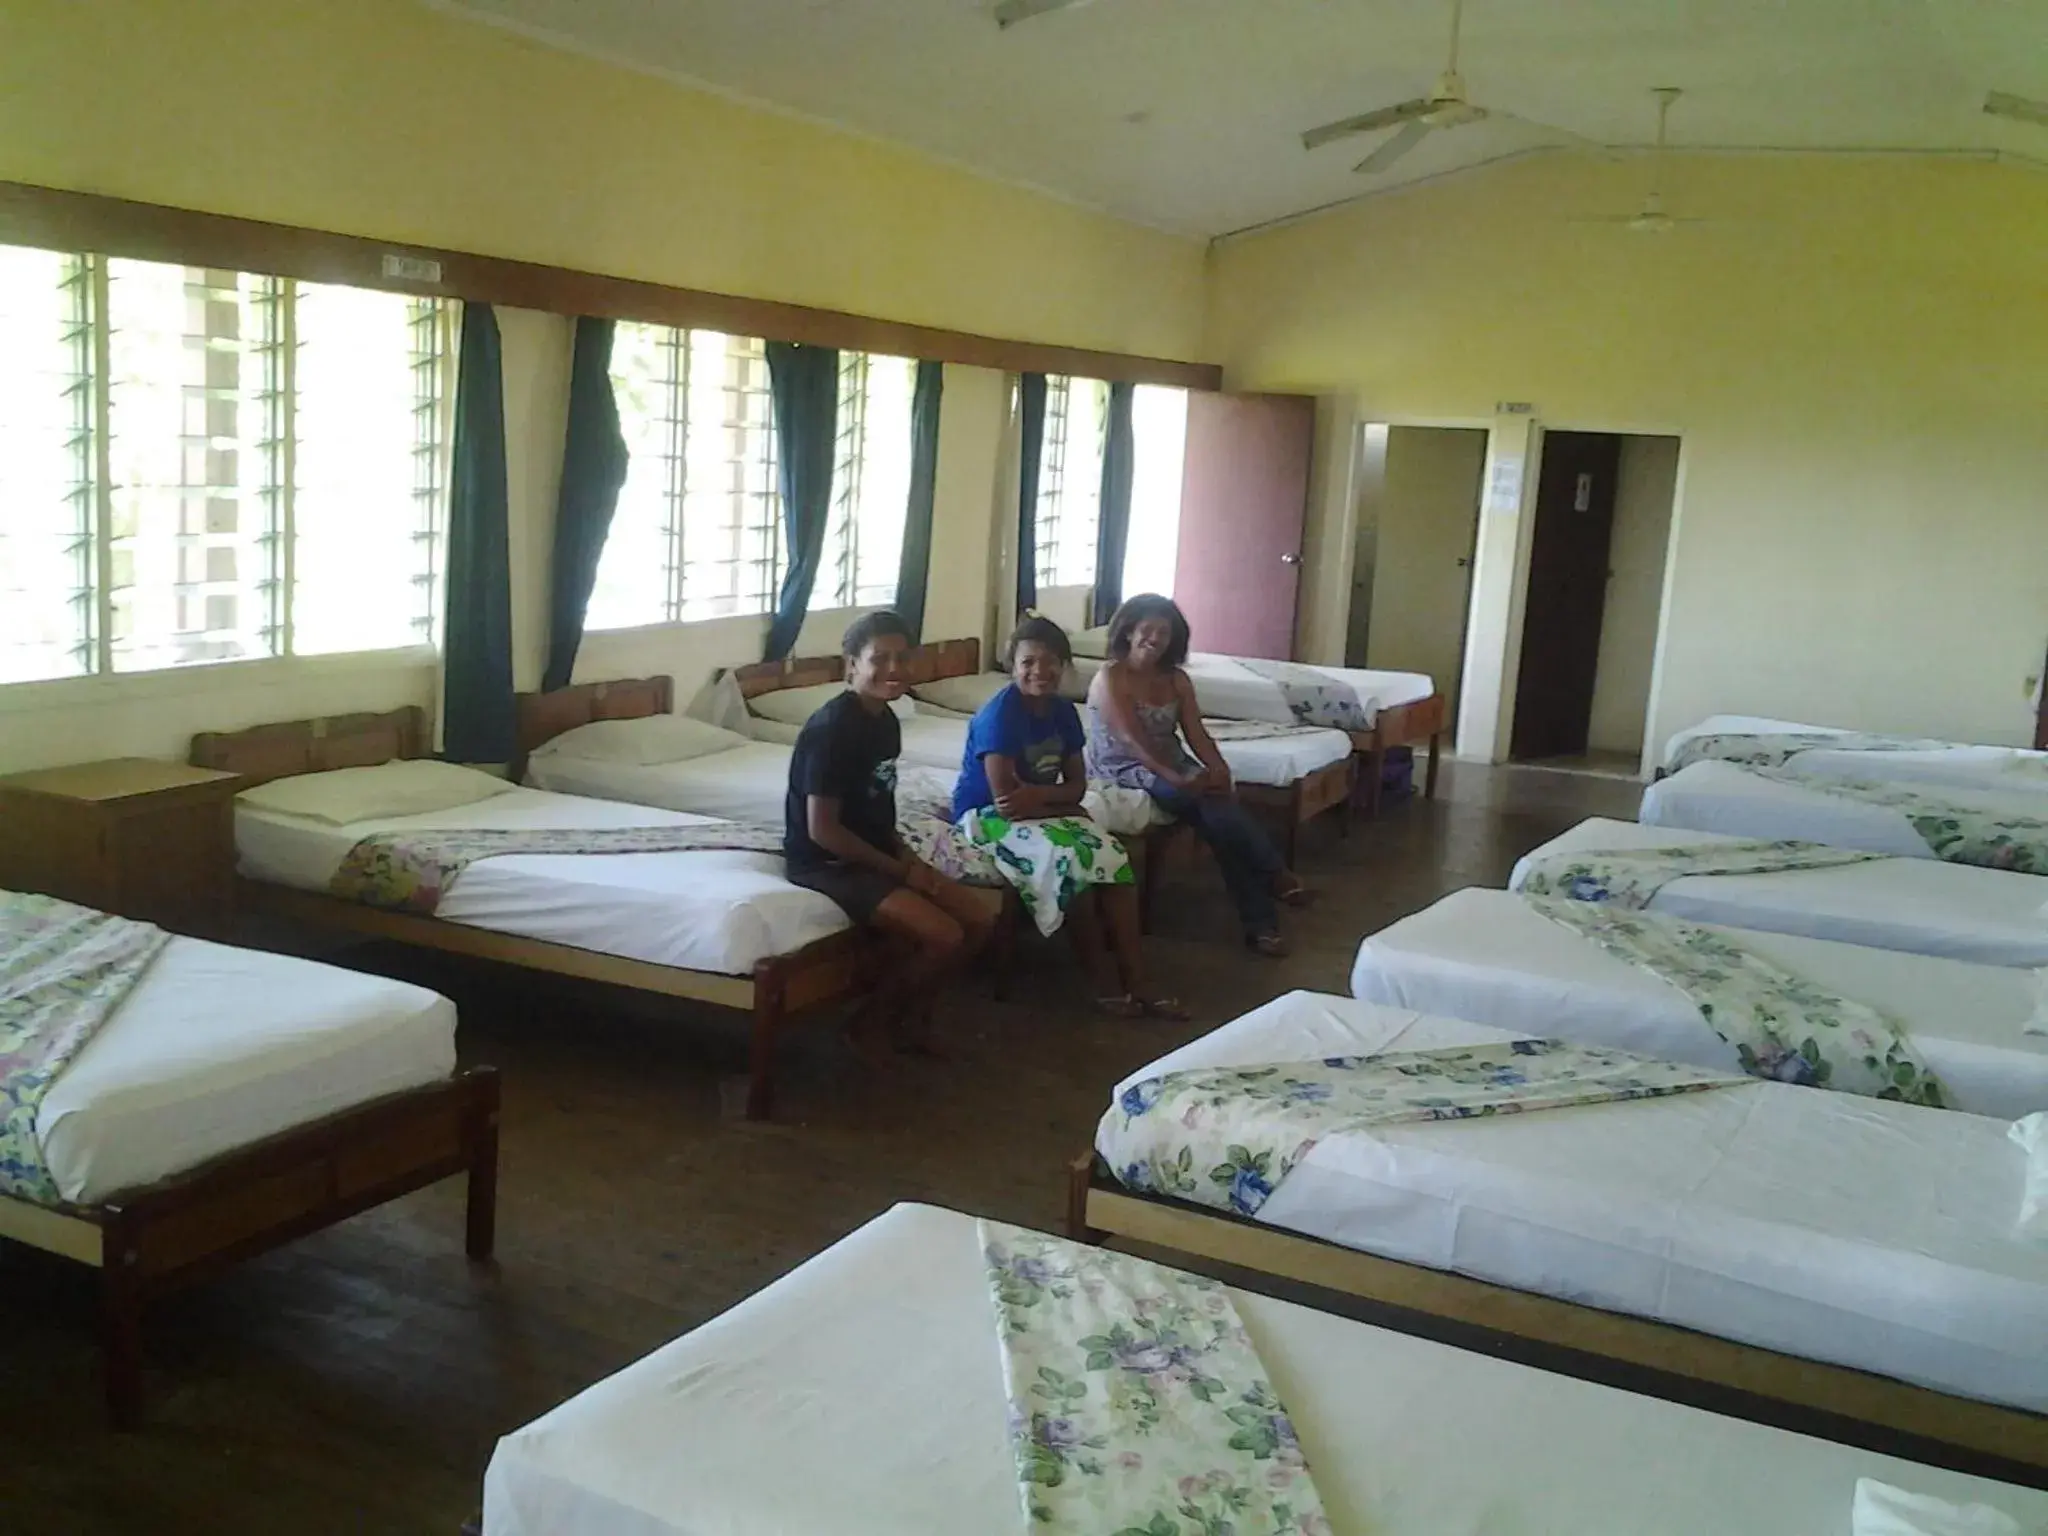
(357, 1381)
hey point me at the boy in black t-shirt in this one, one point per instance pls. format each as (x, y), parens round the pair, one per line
(840, 834)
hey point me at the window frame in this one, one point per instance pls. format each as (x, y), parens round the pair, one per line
(433, 413)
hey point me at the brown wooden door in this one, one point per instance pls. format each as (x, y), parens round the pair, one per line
(1567, 593)
(1244, 493)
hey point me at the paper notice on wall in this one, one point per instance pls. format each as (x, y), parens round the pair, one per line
(1504, 491)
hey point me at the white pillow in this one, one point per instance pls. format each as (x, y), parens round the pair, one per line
(408, 787)
(793, 706)
(2032, 1136)
(1091, 642)
(1882, 1510)
(962, 695)
(648, 740)
(773, 730)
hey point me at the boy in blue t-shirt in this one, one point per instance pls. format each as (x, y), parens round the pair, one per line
(1024, 762)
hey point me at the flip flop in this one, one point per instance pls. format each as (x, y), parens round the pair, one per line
(1269, 946)
(1122, 1006)
(1296, 895)
(1165, 1008)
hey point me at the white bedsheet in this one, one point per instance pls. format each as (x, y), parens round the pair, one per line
(1227, 689)
(862, 1395)
(1849, 1230)
(1489, 957)
(1991, 916)
(1722, 797)
(720, 911)
(1997, 769)
(216, 1048)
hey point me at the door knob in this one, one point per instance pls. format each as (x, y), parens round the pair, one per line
(1463, 563)
(1290, 559)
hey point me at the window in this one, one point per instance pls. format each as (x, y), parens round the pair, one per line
(870, 483)
(697, 533)
(200, 465)
(1159, 431)
(1070, 480)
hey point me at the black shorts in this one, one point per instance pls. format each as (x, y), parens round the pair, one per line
(854, 888)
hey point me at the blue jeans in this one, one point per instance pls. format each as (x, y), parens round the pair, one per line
(1247, 857)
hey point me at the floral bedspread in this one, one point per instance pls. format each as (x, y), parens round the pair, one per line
(1138, 1404)
(1048, 860)
(64, 969)
(1227, 1136)
(1956, 833)
(924, 820)
(1774, 749)
(1312, 697)
(1254, 730)
(1782, 1026)
(410, 871)
(1632, 877)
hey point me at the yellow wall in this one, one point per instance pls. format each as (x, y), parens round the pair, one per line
(1856, 352)
(384, 118)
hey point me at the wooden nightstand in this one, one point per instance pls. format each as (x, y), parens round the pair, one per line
(146, 839)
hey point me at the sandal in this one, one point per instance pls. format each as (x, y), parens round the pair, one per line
(1296, 895)
(1269, 946)
(1165, 1008)
(1122, 1005)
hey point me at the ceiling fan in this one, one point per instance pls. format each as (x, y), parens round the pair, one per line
(1009, 12)
(1447, 105)
(2019, 108)
(1651, 219)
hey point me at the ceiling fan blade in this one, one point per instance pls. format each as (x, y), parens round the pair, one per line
(1393, 149)
(1009, 12)
(1370, 122)
(2018, 108)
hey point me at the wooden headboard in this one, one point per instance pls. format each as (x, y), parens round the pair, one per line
(922, 664)
(544, 716)
(266, 752)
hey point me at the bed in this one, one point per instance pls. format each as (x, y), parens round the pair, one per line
(862, 1393)
(1490, 957)
(236, 1100)
(1723, 797)
(1959, 911)
(1846, 1254)
(1295, 778)
(1405, 709)
(1997, 769)
(717, 927)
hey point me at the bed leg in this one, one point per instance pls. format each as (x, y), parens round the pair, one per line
(1344, 806)
(121, 1324)
(768, 999)
(1375, 776)
(1156, 845)
(1080, 1174)
(1429, 777)
(480, 1226)
(1292, 836)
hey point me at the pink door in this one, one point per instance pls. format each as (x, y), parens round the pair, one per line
(1244, 493)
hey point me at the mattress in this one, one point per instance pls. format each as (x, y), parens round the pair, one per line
(1227, 689)
(1722, 797)
(1853, 1231)
(720, 911)
(1488, 956)
(1991, 916)
(862, 1394)
(216, 1048)
(1996, 769)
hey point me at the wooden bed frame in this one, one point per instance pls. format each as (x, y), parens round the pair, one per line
(158, 1237)
(1099, 1208)
(780, 986)
(1405, 725)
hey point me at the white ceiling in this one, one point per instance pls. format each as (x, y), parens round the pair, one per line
(1186, 114)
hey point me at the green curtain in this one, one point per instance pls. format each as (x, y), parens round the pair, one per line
(804, 382)
(1119, 457)
(593, 468)
(1031, 403)
(915, 570)
(477, 719)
